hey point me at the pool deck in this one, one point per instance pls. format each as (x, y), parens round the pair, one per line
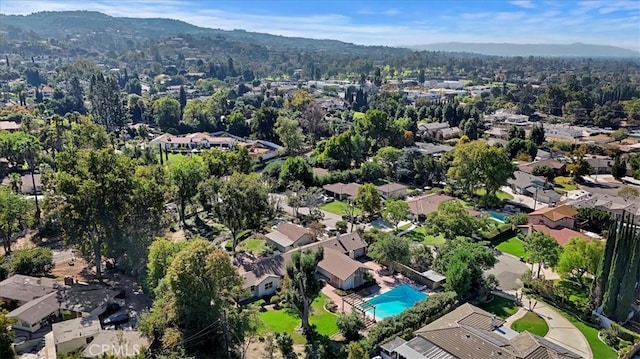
(385, 282)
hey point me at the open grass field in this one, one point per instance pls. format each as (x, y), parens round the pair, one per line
(532, 323)
(337, 207)
(284, 321)
(501, 307)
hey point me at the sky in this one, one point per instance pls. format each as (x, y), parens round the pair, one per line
(393, 23)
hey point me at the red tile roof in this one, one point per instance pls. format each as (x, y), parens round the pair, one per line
(561, 236)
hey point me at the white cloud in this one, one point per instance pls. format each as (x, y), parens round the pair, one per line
(527, 4)
(548, 24)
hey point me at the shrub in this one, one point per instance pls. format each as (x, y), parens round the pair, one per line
(32, 261)
(609, 338)
(340, 292)
(350, 325)
(275, 299)
(284, 343)
(517, 219)
(341, 226)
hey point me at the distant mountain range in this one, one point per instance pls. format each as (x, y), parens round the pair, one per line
(94, 30)
(543, 50)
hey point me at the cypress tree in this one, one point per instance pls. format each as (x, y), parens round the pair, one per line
(623, 269)
(600, 281)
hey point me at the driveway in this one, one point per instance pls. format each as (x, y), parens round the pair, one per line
(329, 220)
(561, 331)
(507, 270)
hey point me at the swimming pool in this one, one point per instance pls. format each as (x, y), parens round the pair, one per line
(395, 301)
(497, 216)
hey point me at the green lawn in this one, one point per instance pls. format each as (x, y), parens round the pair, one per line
(337, 207)
(513, 246)
(501, 195)
(175, 158)
(600, 350)
(502, 307)
(253, 245)
(404, 227)
(532, 323)
(283, 321)
(419, 234)
(564, 183)
(358, 115)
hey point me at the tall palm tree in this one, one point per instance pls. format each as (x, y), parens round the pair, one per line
(15, 181)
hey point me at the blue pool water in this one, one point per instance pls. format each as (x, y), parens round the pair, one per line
(497, 216)
(395, 301)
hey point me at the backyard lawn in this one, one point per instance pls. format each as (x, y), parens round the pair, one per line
(513, 246)
(175, 158)
(337, 207)
(501, 195)
(502, 307)
(253, 245)
(600, 349)
(284, 321)
(419, 234)
(532, 323)
(564, 184)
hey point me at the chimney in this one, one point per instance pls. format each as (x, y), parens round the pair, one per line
(494, 321)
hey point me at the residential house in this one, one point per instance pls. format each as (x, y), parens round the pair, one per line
(287, 236)
(350, 244)
(392, 190)
(120, 343)
(554, 217)
(561, 235)
(599, 166)
(497, 132)
(527, 184)
(562, 132)
(26, 183)
(75, 334)
(196, 142)
(448, 133)
(614, 205)
(263, 277)
(36, 314)
(558, 167)
(430, 149)
(21, 289)
(86, 300)
(341, 190)
(470, 332)
(429, 130)
(10, 126)
(421, 206)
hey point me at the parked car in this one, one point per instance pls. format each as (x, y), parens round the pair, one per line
(118, 317)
